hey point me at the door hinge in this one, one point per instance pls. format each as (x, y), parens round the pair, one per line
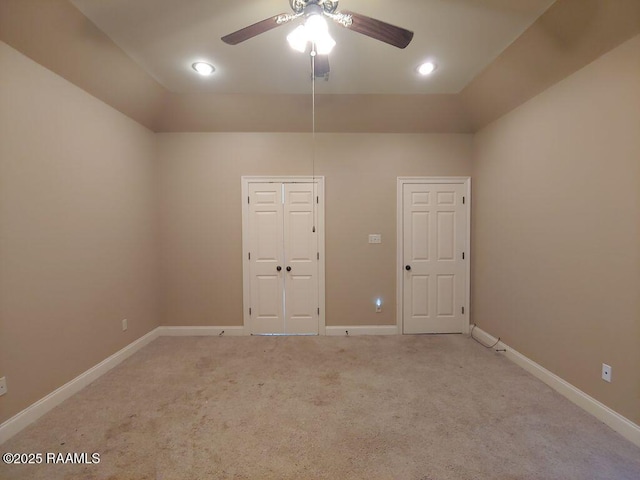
(318, 310)
(248, 199)
(463, 310)
(318, 199)
(313, 230)
(463, 200)
(249, 255)
(249, 311)
(463, 255)
(318, 255)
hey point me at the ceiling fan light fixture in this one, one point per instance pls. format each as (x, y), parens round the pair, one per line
(316, 26)
(315, 31)
(318, 34)
(298, 39)
(325, 44)
(203, 68)
(427, 68)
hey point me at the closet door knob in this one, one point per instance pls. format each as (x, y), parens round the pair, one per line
(278, 268)
(288, 269)
(407, 268)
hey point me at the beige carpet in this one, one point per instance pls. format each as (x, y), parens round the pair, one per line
(397, 407)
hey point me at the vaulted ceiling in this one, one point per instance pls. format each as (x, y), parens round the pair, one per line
(491, 55)
(166, 36)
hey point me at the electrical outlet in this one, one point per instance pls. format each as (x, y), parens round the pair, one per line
(606, 372)
(3, 385)
(125, 325)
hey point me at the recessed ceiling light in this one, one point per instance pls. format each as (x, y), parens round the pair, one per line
(426, 68)
(203, 68)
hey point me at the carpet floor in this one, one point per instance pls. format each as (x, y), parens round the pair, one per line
(379, 407)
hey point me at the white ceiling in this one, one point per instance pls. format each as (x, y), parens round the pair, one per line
(166, 36)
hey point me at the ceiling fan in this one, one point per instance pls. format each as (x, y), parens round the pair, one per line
(313, 10)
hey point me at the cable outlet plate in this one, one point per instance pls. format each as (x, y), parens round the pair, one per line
(606, 372)
(3, 385)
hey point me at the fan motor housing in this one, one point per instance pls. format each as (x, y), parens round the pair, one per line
(317, 6)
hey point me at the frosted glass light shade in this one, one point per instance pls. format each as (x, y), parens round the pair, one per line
(298, 38)
(314, 31)
(203, 68)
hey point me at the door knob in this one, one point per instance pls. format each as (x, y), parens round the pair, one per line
(288, 269)
(408, 267)
(278, 268)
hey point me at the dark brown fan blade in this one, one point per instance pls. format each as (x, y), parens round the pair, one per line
(252, 30)
(385, 32)
(321, 65)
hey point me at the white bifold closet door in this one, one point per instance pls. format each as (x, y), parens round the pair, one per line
(283, 258)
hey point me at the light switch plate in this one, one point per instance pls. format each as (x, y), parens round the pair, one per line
(3, 385)
(375, 238)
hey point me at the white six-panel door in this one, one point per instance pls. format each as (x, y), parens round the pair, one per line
(434, 258)
(266, 257)
(300, 254)
(282, 228)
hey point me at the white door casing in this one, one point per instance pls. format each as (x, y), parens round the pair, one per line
(283, 225)
(433, 254)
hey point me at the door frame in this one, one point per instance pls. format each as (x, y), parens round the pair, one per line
(401, 182)
(246, 267)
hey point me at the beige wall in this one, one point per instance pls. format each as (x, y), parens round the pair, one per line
(78, 230)
(55, 34)
(201, 207)
(556, 265)
(556, 231)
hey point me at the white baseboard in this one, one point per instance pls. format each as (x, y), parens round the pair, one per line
(30, 414)
(200, 331)
(617, 422)
(239, 331)
(12, 426)
(362, 330)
